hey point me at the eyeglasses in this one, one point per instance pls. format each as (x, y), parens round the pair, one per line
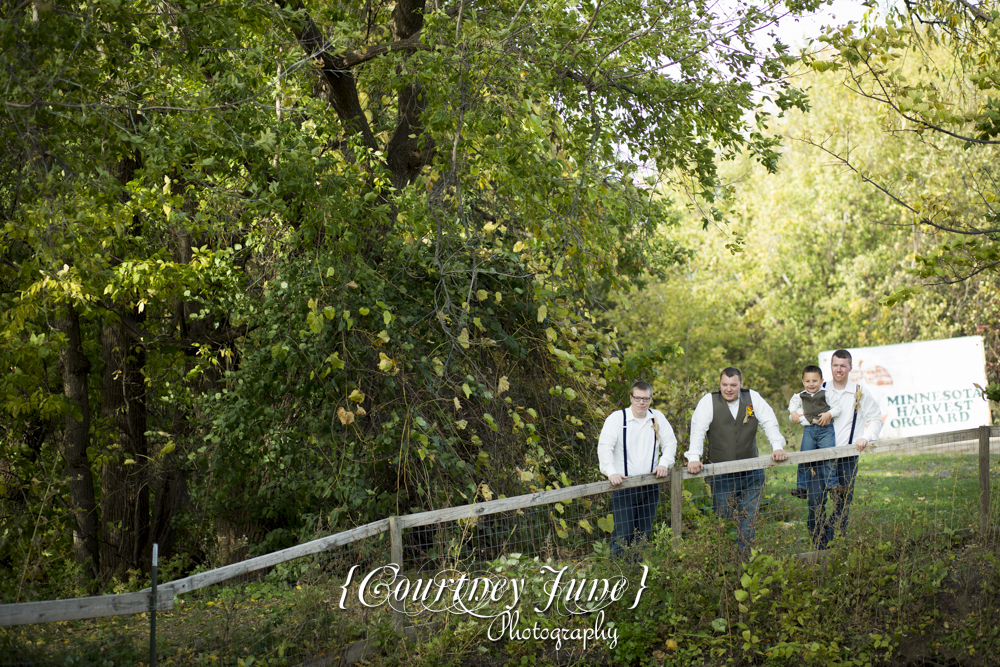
(642, 399)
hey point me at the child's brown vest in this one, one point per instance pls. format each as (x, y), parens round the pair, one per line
(813, 406)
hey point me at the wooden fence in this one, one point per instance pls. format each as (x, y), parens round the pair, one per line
(136, 603)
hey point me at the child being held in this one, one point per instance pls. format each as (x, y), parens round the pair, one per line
(806, 408)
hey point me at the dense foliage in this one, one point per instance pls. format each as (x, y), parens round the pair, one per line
(271, 269)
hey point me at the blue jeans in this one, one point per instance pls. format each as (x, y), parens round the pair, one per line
(817, 437)
(821, 527)
(736, 495)
(633, 510)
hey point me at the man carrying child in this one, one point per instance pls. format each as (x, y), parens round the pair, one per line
(811, 409)
(858, 423)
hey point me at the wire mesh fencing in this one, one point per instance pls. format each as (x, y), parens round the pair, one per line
(559, 530)
(290, 609)
(898, 490)
(286, 614)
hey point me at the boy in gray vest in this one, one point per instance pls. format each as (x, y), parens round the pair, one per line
(806, 408)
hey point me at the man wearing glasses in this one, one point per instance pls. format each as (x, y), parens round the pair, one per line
(730, 417)
(634, 441)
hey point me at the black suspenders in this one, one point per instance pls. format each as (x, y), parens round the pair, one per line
(652, 465)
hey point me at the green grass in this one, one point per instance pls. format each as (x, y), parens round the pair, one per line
(895, 497)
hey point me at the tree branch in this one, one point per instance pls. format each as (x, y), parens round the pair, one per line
(409, 44)
(890, 195)
(976, 11)
(336, 72)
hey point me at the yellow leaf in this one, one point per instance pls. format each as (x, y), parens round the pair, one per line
(361, 412)
(463, 338)
(518, 247)
(503, 385)
(346, 417)
(461, 424)
(482, 295)
(485, 490)
(352, 285)
(357, 396)
(386, 364)
(458, 404)
(542, 312)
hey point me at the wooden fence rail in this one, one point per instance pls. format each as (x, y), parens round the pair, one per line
(136, 603)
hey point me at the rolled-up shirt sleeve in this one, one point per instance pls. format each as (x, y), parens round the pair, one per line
(768, 421)
(795, 405)
(610, 434)
(668, 446)
(872, 414)
(700, 421)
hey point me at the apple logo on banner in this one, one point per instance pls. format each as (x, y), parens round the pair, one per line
(878, 375)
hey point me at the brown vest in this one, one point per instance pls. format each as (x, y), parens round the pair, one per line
(813, 406)
(730, 439)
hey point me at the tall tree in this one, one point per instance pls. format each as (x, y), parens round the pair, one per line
(190, 175)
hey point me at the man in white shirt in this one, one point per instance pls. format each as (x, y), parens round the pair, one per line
(729, 417)
(634, 441)
(860, 422)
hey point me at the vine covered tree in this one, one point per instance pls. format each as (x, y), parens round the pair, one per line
(333, 260)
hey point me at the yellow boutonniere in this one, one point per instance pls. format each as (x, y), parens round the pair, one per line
(749, 414)
(857, 399)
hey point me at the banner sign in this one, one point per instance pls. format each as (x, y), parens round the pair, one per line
(925, 387)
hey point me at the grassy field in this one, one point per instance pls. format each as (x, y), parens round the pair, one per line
(895, 497)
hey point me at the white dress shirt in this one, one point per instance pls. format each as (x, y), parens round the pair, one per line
(869, 423)
(639, 432)
(702, 419)
(795, 405)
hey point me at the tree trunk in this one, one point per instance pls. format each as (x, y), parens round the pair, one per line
(76, 439)
(124, 479)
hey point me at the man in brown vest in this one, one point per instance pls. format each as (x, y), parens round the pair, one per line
(730, 417)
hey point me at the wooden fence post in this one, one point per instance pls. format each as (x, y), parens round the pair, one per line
(676, 502)
(396, 554)
(984, 480)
